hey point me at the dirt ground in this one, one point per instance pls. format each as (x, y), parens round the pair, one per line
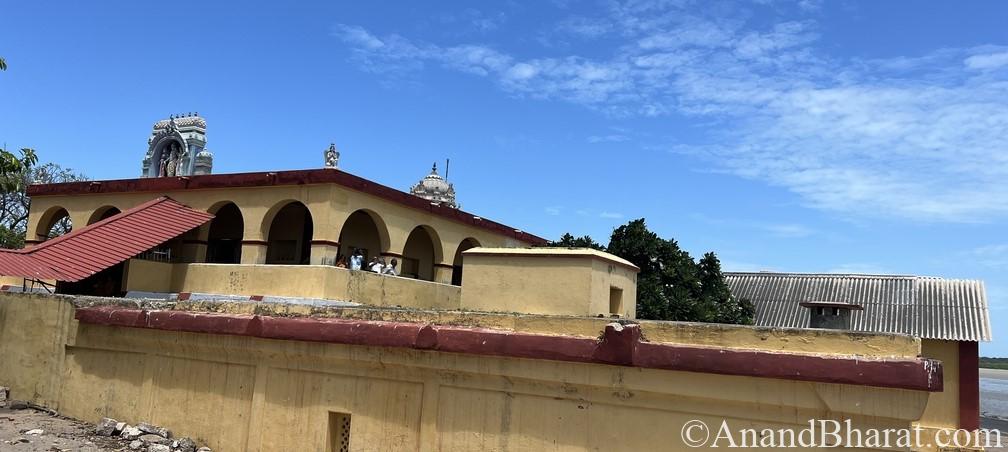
(58, 434)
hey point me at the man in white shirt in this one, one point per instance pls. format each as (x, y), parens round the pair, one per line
(390, 269)
(356, 260)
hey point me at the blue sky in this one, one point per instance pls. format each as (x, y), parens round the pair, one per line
(794, 136)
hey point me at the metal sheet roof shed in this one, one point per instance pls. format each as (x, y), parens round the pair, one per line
(89, 250)
(926, 307)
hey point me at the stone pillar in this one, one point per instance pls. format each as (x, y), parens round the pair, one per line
(194, 245)
(443, 273)
(253, 252)
(324, 252)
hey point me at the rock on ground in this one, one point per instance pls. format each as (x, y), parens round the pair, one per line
(59, 434)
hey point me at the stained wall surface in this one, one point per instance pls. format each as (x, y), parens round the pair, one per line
(239, 393)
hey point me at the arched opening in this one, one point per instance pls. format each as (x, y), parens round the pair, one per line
(54, 223)
(290, 234)
(421, 253)
(226, 231)
(362, 231)
(457, 262)
(103, 213)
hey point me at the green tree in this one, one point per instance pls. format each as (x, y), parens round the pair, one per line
(671, 285)
(569, 241)
(14, 203)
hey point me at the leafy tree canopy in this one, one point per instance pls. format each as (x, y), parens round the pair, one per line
(14, 201)
(671, 285)
(569, 241)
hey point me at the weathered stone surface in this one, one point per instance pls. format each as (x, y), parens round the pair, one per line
(136, 445)
(17, 405)
(131, 433)
(4, 393)
(185, 445)
(154, 430)
(150, 438)
(106, 427)
(204, 449)
(34, 432)
(158, 448)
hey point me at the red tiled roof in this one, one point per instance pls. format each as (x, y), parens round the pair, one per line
(91, 249)
(265, 179)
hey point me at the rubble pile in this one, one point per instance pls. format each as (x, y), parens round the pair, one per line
(142, 437)
(147, 437)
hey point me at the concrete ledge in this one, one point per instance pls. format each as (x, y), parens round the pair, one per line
(618, 345)
(586, 253)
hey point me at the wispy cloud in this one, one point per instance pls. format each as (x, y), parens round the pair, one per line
(554, 211)
(779, 230)
(610, 215)
(611, 138)
(788, 230)
(920, 137)
(993, 256)
(987, 61)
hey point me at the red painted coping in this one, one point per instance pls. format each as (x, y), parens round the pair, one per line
(619, 345)
(271, 178)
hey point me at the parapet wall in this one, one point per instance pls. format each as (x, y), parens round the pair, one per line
(308, 281)
(243, 376)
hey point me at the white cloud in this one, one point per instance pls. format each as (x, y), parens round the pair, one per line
(921, 137)
(554, 211)
(779, 230)
(611, 138)
(788, 230)
(584, 27)
(993, 256)
(611, 215)
(987, 61)
(357, 35)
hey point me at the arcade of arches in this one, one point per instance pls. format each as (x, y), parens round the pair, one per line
(292, 232)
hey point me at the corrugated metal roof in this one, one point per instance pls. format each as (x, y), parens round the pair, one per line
(926, 307)
(86, 251)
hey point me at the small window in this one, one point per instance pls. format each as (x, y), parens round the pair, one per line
(615, 301)
(836, 311)
(339, 432)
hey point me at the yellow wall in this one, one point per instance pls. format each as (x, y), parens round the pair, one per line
(547, 281)
(238, 393)
(308, 281)
(330, 206)
(943, 409)
(33, 332)
(148, 276)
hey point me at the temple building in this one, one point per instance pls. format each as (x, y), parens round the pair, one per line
(177, 147)
(315, 217)
(243, 327)
(435, 189)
